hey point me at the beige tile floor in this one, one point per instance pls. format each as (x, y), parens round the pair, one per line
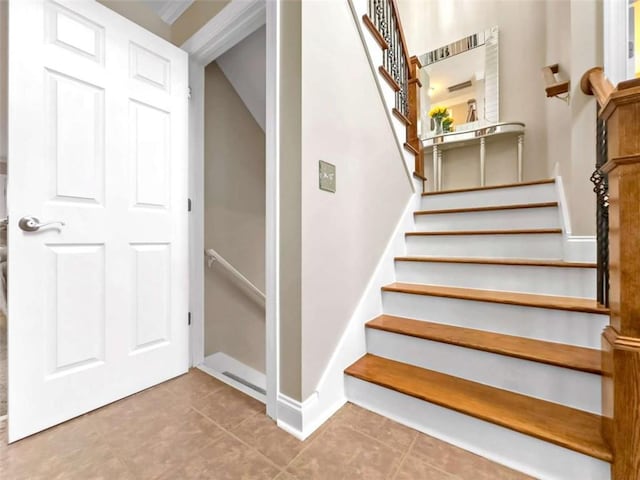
(195, 427)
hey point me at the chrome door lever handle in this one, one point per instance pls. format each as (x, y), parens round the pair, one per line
(32, 224)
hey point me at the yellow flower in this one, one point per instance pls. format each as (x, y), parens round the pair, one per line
(440, 112)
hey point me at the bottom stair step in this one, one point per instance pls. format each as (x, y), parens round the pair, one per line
(564, 426)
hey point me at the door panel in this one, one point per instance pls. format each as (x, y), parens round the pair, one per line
(97, 140)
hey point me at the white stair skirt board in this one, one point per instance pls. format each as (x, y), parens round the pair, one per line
(539, 245)
(545, 192)
(516, 218)
(236, 374)
(524, 453)
(580, 248)
(561, 326)
(573, 388)
(570, 282)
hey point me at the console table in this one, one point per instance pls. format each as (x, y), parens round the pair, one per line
(480, 135)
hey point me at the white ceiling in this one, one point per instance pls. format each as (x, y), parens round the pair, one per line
(169, 10)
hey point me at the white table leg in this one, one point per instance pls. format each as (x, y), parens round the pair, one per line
(520, 151)
(482, 158)
(434, 177)
(439, 169)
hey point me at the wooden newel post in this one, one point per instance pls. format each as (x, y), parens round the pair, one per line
(621, 339)
(414, 114)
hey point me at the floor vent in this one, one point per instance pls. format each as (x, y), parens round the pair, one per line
(245, 383)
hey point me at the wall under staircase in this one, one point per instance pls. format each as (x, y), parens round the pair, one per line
(488, 338)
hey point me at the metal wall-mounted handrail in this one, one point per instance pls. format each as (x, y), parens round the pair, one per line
(213, 256)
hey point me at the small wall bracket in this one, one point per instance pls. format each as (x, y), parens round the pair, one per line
(554, 88)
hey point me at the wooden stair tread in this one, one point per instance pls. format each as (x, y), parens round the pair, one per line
(534, 231)
(488, 208)
(574, 304)
(567, 356)
(570, 428)
(492, 187)
(499, 261)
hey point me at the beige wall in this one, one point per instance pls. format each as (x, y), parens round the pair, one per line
(234, 222)
(140, 13)
(290, 200)
(192, 20)
(559, 138)
(343, 233)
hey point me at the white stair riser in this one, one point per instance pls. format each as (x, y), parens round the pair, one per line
(527, 454)
(570, 282)
(497, 196)
(573, 388)
(547, 246)
(521, 218)
(573, 328)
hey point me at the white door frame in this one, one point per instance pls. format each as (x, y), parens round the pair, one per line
(616, 40)
(234, 23)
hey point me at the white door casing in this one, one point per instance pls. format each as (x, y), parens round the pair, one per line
(97, 139)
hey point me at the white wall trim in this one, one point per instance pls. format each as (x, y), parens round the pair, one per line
(218, 363)
(576, 248)
(196, 217)
(171, 10)
(565, 219)
(615, 15)
(580, 248)
(272, 208)
(302, 419)
(235, 22)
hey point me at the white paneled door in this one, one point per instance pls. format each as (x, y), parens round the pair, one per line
(98, 299)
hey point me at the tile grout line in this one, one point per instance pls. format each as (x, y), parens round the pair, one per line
(229, 432)
(404, 457)
(377, 440)
(320, 432)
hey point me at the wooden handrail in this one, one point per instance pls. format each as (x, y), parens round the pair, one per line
(405, 49)
(595, 83)
(398, 69)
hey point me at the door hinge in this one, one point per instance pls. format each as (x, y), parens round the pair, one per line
(188, 92)
(188, 204)
(189, 318)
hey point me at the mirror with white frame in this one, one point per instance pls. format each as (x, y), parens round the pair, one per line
(462, 77)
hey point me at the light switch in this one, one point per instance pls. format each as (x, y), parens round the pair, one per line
(327, 177)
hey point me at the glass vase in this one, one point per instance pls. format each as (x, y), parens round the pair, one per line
(438, 125)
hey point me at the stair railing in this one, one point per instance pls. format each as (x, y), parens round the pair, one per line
(617, 179)
(595, 83)
(399, 69)
(212, 256)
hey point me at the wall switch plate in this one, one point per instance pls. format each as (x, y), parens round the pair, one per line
(327, 176)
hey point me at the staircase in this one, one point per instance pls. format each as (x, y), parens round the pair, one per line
(487, 339)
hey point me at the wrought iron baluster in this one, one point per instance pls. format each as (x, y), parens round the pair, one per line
(601, 188)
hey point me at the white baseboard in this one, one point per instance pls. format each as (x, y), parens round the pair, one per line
(218, 363)
(580, 248)
(302, 419)
(576, 248)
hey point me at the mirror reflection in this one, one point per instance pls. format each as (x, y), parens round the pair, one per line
(462, 79)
